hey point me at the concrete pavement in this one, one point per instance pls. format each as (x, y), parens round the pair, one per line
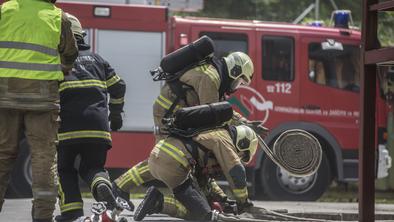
(18, 210)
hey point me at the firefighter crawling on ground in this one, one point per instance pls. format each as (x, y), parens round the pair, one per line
(188, 159)
(204, 79)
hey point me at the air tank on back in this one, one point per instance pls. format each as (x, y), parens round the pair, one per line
(189, 54)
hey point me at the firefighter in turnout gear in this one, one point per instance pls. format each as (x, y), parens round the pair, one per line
(37, 48)
(178, 166)
(202, 84)
(84, 128)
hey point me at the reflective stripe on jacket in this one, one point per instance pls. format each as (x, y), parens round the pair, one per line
(84, 100)
(30, 35)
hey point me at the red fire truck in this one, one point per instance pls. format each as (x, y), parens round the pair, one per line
(305, 77)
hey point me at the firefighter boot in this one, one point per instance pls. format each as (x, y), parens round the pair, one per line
(104, 193)
(122, 194)
(152, 203)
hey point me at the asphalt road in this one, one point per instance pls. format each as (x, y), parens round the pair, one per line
(18, 210)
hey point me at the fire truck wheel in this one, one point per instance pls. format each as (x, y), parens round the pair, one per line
(21, 179)
(279, 185)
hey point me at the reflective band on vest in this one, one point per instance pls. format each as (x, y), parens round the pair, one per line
(84, 134)
(29, 40)
(30, 66)
(82, 84)
(29, 46)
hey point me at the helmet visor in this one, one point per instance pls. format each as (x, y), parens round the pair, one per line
(243, 145)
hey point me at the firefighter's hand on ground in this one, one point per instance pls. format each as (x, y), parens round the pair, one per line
(243, 207)
(116, 121)
(258, 127)
(229, 206)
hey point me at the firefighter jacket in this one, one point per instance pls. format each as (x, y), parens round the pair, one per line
(31, 64)
(171, 162)
(84, 100)
(201, 83)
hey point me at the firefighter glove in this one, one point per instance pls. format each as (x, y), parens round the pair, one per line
(258, 127)
(243, 207)
(116, 121)
(229, 206)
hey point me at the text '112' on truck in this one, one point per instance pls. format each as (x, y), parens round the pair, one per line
(306, 77)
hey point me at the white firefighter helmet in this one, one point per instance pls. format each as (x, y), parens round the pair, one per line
(240, 69)
(246, 143)
(76, 26)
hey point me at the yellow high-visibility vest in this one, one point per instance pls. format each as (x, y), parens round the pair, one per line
(30, 35)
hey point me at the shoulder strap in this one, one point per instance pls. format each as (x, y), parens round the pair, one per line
(179, 89)
(192, 148)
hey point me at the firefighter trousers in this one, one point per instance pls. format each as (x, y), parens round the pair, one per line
(40, 129)
(91, 169)
(134, 177)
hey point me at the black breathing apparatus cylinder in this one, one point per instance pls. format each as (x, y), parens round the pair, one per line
(202, 116)
(184, 58)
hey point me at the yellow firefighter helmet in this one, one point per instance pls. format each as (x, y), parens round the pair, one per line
(240, 69)
(246, 143)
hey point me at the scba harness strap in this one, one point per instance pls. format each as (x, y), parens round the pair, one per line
(179, 89)
(198, 168)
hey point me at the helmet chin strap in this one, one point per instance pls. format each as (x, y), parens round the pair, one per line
(225, 81)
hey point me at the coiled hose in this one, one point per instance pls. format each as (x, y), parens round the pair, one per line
(296, 151)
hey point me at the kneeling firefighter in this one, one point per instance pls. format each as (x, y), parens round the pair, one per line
(84, 129)
(185, 163)
(193, 77)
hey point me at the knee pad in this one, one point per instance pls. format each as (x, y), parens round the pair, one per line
(194, 201)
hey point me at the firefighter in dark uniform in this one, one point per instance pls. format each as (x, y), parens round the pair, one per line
(84, 129)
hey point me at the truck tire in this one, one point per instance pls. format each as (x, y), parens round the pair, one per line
(280, 186)
(21, 179)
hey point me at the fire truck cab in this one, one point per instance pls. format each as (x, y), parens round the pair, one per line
(305, 77)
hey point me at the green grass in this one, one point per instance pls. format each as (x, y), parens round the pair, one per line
(349, 193)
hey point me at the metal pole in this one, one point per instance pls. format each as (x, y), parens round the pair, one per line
(334, 5)
(317, 9)
(366, 171)
(304, 13)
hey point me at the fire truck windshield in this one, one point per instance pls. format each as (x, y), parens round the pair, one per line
(335, 68)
